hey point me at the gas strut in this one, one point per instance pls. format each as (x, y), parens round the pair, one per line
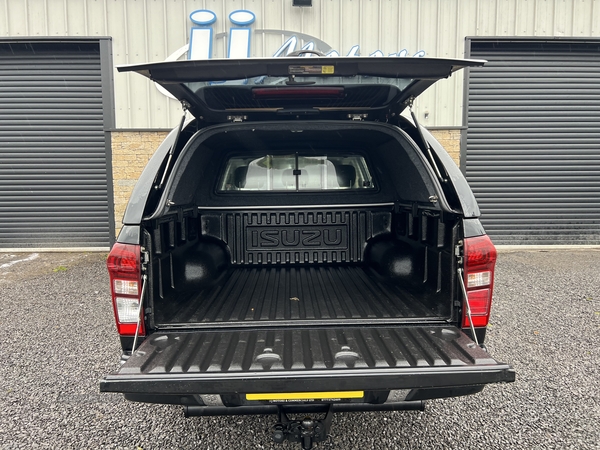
(184, 106)
(424, 142)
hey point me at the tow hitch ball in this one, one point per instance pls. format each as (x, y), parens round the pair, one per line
(306, 431)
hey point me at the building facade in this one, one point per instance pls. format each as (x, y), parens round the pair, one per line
(139, 115)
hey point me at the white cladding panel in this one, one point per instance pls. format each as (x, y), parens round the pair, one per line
(152, 30)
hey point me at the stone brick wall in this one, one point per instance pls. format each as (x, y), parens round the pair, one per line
(450, 140)
(131, 151)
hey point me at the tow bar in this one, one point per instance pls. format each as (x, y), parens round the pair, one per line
(306, 431)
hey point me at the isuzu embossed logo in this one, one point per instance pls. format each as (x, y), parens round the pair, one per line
(297, 238)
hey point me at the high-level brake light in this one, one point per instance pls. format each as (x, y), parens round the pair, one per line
(298, 92)
(124, 268)
(480, 260)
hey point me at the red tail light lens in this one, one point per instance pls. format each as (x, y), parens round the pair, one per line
(480, 261)
(125, 269)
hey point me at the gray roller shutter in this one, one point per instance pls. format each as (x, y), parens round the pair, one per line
(54, 173)
(533, 140)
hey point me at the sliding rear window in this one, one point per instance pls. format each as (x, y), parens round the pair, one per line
(296, 172)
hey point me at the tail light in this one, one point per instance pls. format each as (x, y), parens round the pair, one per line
(124, 268)
(480, 259)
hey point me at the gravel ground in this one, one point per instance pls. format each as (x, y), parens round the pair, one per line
(60, 340)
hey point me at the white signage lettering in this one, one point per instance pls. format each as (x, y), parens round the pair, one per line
(202, 37)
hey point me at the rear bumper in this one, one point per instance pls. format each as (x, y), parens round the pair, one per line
(236, 404)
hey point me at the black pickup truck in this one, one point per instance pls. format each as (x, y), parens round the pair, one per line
(300, 245)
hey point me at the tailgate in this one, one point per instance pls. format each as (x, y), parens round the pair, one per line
(305, 359)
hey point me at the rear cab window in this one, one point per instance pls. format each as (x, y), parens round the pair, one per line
(295, 172)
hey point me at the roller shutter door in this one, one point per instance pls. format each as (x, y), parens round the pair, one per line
(533, 140)
(54, 181)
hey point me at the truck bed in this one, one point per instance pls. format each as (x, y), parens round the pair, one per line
(310, 295)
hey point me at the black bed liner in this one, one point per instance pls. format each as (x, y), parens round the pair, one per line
(254, 295)
(298, 359)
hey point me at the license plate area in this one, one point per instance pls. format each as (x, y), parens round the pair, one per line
(309, 397)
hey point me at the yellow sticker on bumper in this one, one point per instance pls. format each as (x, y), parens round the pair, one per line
(306, 395)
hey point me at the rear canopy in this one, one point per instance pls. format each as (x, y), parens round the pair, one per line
(295, 82)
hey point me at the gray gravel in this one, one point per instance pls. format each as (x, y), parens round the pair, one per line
(59, 340)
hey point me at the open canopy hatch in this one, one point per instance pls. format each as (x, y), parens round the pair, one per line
(215, 89)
